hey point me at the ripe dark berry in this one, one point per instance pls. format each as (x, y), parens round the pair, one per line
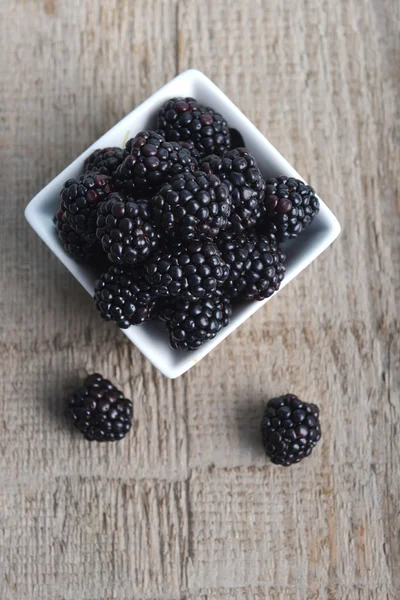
(238, 168)
(80, 198)
(123, 295)
(191, 323)
(185, 120)
(191, 270)
(100, 411)
(105, 160)
(290, 429)
(150, 162)
(290, 206)
(73, 243)
(124, 229)
(256, 266)
(192, 206)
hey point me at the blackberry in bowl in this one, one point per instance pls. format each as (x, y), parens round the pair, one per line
(186, 121)
(123, 295)
(193, 322)
(290, 206)
(150, 162)
(73, 243)
(192, 206)
(239, 170)
(124, 228)
(190, 270)
(105, 160)
(256, 266)
(80, 199)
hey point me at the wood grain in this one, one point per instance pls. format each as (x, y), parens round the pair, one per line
(188, 508)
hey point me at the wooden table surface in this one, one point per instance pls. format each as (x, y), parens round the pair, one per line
(188, 507)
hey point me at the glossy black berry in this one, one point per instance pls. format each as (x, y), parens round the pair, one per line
(191, 206)
(123, 295)
(186, 121)
(290, 206)
(80, 198)
(100, 411)
(193, 322)
(124, 229)
(105, 160)
(290, 429)
(256, 266)
(150, 162)
(191, 270)
(238, 168)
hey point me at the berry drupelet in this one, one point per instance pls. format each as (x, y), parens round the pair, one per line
(151, 161)
(105, 160)
(80, 198)
(124, 229)
(123, 295)
(290, 206)
(186, 121)
(290, 429)
(192, 206)
(193, 322)
(73, 243)
(100, 411)
(190, 270)
(256, 266)
(239, 169)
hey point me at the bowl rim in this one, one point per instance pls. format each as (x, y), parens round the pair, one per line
(37, 217)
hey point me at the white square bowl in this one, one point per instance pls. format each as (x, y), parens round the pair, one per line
(152, 338)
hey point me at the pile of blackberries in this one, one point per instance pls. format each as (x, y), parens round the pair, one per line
(183, 223)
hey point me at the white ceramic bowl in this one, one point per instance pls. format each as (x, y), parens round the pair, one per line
(152, 338)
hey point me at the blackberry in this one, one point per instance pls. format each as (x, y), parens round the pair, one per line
(290, 207)
(73, 243)
(105, 160)
(247, 186)
(192, 270)
(122, 295)
(100, 411)
(151, 161)
(191, 323)
(290, 429)
(80, 198)
(185, 120)
(192, 206)
(256, 266)
(124, 229)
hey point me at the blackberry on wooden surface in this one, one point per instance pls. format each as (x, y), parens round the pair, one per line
(290, 429)
(100, 411)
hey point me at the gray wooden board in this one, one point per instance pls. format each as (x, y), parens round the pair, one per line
(188, 507)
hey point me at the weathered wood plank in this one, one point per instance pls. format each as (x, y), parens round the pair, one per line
(187, 507)
(77, 537)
